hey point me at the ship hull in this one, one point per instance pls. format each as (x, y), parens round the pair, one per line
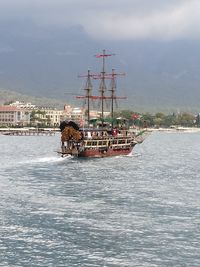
(107, 152)
(99, 147)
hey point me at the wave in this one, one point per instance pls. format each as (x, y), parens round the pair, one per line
(44, 160)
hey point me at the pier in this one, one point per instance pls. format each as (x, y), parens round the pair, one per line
(27, 132)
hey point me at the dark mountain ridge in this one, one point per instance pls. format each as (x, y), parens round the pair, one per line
(45, 62)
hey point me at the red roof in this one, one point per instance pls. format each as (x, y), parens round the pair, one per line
(9, 108)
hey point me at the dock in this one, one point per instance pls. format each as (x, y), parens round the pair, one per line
(27, 132)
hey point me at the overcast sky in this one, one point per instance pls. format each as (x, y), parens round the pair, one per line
(112, 19)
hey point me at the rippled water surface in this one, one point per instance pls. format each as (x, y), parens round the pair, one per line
(137, 210)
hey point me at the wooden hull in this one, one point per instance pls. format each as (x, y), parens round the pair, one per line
(100, 152)
(95, 153)
(98, 145)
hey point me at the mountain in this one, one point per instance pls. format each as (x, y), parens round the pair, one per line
(45, 62)
(7, 96)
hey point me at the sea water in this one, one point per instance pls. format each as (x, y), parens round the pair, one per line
(136, 210)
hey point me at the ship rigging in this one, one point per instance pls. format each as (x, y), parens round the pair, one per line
(103, 140)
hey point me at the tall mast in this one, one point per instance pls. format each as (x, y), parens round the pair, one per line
(88, 91)
(113, 89)
(102, 87)
(113, 96)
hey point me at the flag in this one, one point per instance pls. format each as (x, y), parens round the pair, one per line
(104, 55)
(135, 116)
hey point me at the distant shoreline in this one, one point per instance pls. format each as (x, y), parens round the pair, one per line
(47, 130)
(176, 130)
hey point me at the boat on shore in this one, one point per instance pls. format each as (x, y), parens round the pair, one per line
(102, 139)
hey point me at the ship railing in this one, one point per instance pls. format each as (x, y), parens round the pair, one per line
(109, 142)
(106, 134)
(103, 133)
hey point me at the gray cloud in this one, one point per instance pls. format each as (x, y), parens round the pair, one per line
(6, 49)
(112, 19)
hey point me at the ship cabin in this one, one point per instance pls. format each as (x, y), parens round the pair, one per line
(101, 138)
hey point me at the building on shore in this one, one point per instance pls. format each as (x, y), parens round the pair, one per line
(26, 114)
(12, 116)
(51, 117)
(22, 105)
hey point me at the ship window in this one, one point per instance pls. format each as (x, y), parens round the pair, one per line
(100, 143)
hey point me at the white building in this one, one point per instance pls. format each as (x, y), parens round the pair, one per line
(10, 115)
(22, 105)
(53, 116)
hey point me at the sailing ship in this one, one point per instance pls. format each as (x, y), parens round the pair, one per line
(103, 139)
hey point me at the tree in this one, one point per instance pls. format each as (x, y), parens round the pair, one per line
(186, 119)
(8, 102)
(147, 120)
(169, 120)
(197, 120)
(37, 117)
